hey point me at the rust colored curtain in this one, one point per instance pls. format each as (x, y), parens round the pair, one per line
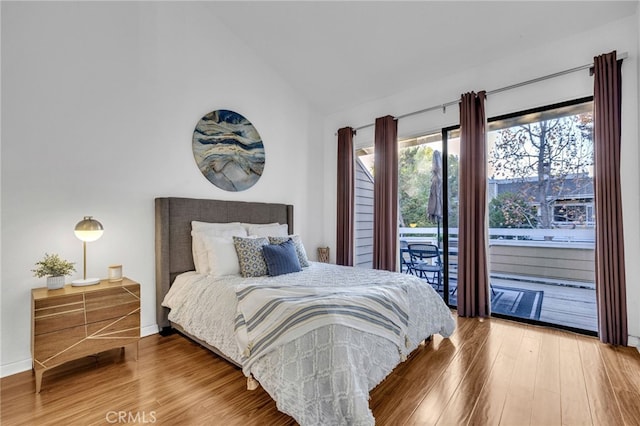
(385, 194)
(346, 197)
(473, 278)
(610, 274)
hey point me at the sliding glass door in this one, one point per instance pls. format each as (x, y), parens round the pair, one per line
(541, 215)
(451, 146)
(427, 207)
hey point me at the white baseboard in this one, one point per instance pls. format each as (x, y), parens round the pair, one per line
(149, 330)
(634, 341)
(25, 365)
(15, 367)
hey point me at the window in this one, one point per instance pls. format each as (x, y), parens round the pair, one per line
(576, 214)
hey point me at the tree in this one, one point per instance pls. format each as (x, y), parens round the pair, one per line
(544, 157)
(414, 181)
(414, 184)
(511, 210)
(453, 167)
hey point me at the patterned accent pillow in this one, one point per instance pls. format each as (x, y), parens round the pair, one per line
(281, 258)
(297, 242)
(250, 256)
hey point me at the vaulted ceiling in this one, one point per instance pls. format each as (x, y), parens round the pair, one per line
(330, 51)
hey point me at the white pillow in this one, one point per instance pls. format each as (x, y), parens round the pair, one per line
(269, 230)
(207, 226)
(222, 256)
(257, 225)
(201, 230)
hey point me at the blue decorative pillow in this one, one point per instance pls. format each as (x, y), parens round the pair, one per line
(297, 242)
(250, 257)
(281, 258)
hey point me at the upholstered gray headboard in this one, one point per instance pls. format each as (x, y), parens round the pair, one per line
(173, 233)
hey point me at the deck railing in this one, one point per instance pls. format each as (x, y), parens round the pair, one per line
(510, 236)
(563, 256)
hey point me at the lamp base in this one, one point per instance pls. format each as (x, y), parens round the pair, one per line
(88, 281)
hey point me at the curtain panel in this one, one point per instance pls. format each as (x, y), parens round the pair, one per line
(474, 299)
(385, 194)
(610, 269)
(345, 198)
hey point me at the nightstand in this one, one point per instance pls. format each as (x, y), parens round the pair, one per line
(74, 322)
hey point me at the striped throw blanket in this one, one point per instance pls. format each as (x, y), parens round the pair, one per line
(270, 316)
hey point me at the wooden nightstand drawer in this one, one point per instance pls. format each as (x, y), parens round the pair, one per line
(111, 303)
(58, 301)
(128, 326)
(58, 322)
(48, 345)
(57, 313)
(74, 322)
(61, 346)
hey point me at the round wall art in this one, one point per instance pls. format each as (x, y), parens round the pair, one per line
(228, 150)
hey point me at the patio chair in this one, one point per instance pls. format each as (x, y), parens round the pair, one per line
(426, 263)
(405, 258)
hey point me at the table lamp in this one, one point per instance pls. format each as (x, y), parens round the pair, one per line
(88, 229)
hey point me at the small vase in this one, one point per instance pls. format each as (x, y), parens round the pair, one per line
(54, 283)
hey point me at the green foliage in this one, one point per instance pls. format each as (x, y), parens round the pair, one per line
(414, 181)
(414, 185)
(509, 210)
(53, 266)
(453, 168)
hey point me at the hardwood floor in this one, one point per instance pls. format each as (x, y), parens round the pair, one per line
(488, 373)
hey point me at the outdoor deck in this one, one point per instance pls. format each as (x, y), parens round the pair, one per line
(543, 275)
(562, 304)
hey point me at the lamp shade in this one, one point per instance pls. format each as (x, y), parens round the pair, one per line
(88, 229)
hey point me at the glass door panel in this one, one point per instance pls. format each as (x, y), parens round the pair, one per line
(422, 206)
(541, 215)
(451, 138)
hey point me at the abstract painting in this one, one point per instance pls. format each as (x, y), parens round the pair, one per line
(228, 150)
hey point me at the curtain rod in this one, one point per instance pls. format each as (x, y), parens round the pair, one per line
(444, 106)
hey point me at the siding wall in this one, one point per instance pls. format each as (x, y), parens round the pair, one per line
(567, 264)
(364, 217)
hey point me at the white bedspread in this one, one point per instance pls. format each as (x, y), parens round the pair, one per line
(270, 316)
(324, 376)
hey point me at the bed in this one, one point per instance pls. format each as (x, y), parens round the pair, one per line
(319, 370)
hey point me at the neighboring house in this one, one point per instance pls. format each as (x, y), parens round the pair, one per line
(571, 198)
(363, 217)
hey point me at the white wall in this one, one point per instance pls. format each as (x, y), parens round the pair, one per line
(634, 316)
(99, 104)
(514, 68)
